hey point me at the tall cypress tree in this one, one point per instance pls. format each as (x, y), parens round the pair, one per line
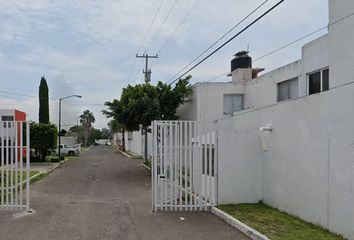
(43, 101)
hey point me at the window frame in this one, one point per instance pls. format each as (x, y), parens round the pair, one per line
(321, 70)
(288, 80)
(233, 94)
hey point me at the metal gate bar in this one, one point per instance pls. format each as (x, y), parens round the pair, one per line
(184, 166)
(12, 179)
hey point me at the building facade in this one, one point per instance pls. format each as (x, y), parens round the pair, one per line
(304, 164)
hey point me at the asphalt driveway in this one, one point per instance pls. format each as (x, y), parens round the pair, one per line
(104, 195)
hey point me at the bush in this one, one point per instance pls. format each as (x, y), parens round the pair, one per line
(43, 137)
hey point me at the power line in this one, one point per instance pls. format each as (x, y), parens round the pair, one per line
(290, 43)
(179, 25)
(232, 38)
(303, 37)
(220, 38)
(162, 24)
(152, 22)
(145, 36)
(18, 94)
(25, 96)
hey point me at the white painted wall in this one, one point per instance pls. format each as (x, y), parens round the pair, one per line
(309, 168)
(262, 91)
(341, 39)
(135, 145)
(207, 103)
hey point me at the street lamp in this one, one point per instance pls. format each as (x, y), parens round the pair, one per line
(60, 99)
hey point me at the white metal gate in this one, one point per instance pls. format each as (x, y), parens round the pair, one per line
(184, 166)
(14, 165)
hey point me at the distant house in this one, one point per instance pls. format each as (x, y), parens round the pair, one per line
(9, 119)
(12, 115)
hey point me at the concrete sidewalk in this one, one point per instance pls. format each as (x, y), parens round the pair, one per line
(104, 195)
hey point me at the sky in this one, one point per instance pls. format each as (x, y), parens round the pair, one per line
(88, 47)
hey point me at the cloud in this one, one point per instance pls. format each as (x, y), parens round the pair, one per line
(88, 47)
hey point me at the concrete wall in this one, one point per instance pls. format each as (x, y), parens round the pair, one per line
(207, 103)
(315, 56)
(262, 91)
(135, 145)
(341, 39)
(309, 168)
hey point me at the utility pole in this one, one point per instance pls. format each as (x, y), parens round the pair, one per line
(147, 73)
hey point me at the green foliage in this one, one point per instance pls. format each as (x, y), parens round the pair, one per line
(87, 119)
(95, 135)
(114, 126)
(43, 137)
(75, 128)
(141, 104)
(105, 133)
(171, 98)
(43, 102)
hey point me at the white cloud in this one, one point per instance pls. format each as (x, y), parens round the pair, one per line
(88, 47)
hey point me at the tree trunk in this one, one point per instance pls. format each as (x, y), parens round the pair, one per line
(123, 139)
(44, 154)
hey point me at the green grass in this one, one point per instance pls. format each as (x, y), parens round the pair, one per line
(24, 174)
(275, 224)
(32, 173)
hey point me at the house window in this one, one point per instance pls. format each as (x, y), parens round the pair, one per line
(288, 89)
(7, 118)
(232, 103)
(318, 81)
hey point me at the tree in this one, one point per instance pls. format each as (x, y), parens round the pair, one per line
(114, 126)
(141, 104)
(106, 133)
(43, 102)
(145, 103)
(43, 137)
(171, 98)
(78, 131)
(95, 135)
(120, 118)
(87, 119)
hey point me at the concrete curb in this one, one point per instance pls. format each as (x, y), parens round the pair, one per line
(250, 232)
(128, 155)
(145, 166)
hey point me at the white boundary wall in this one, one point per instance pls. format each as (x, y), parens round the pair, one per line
(308, 169)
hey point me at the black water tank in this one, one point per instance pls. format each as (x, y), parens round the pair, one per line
(241, 60)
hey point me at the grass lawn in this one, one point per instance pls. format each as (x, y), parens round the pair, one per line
(24, 174)
(275, 224)
(32, 173)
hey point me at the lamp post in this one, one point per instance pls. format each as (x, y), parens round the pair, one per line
(60, 99)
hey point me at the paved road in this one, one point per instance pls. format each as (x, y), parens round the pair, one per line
(104, 195)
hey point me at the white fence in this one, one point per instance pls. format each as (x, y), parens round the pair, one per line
(184, 166)
(15, 165)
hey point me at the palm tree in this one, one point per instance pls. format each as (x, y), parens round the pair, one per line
(86, 120)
